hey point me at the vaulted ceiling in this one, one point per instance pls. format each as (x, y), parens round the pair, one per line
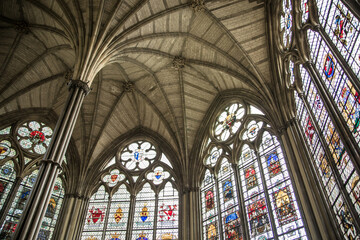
(158, 64)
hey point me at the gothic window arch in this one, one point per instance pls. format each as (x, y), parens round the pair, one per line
(328, 108)
(137, 197)
(246, 189)
(22, 146)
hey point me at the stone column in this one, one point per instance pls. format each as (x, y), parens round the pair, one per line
(31, 219)
(190, 223)
(72, 217)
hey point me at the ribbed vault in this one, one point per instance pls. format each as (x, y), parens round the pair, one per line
(126, 49)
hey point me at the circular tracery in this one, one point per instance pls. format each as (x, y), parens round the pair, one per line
(229, 121)
(138, 155)
(34, 137)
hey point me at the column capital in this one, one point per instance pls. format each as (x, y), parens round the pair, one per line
(79, 84)
(51, 161)
(77, 196)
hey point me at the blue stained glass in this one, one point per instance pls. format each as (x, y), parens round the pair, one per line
(343, 29)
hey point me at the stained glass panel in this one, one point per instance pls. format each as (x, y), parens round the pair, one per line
(323, 170)
(253, 191)
(118, 213)
(96, 213)
(209, 207)
(337, 83)
(168, 213)
(305, 10)
(34, 137)
(343, 28)
(286, 22)
(158, 175)
(113, 178)
(5, 131)
(7, 178)
(144, 214)
(17, 206)
(6, 149)
(138, 155)
(52, 211)
(229, 121)
(286, 212)
(339, 154)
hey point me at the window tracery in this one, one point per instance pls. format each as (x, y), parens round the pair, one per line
(333, 47)
(138, 197)
(21, 149)
(266, 192)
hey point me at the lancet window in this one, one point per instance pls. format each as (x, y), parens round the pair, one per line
(22, 147)
(246, 189)
(327, 108)
(136, 197)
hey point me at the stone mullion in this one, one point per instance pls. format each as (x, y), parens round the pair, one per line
(131, 217)
(34, 212)
(270, 210)
(106, 217)
(327, 227)
(340, 125)
(9, 200)
(155, 214)
(241, 203)
(295, 174)
(331, 162)
(219, 209)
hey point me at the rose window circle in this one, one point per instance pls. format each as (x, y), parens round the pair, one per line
(138, 155)
(34, 136)
(229, 121)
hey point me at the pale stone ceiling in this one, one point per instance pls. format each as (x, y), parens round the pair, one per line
(113, 42)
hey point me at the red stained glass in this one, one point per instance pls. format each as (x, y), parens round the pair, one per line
(37, 137)
(209, 199)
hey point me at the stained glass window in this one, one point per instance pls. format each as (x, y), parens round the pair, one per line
(305, 10)
(209, 212)
(15, 162)
(333, 49)
(118, 214)
(137, 185)
(7, 179)
(337, 82)
(325, 172)
(343, 28)
(34, 136)
(286, 23)
(95, 216)
(266, 191)
(168, 213)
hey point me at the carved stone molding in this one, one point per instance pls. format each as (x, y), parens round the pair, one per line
(178, 62)
(190, 189)
(79, 84)
(22, 27)
(198, 5)
(128, 86)
(77, 196)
